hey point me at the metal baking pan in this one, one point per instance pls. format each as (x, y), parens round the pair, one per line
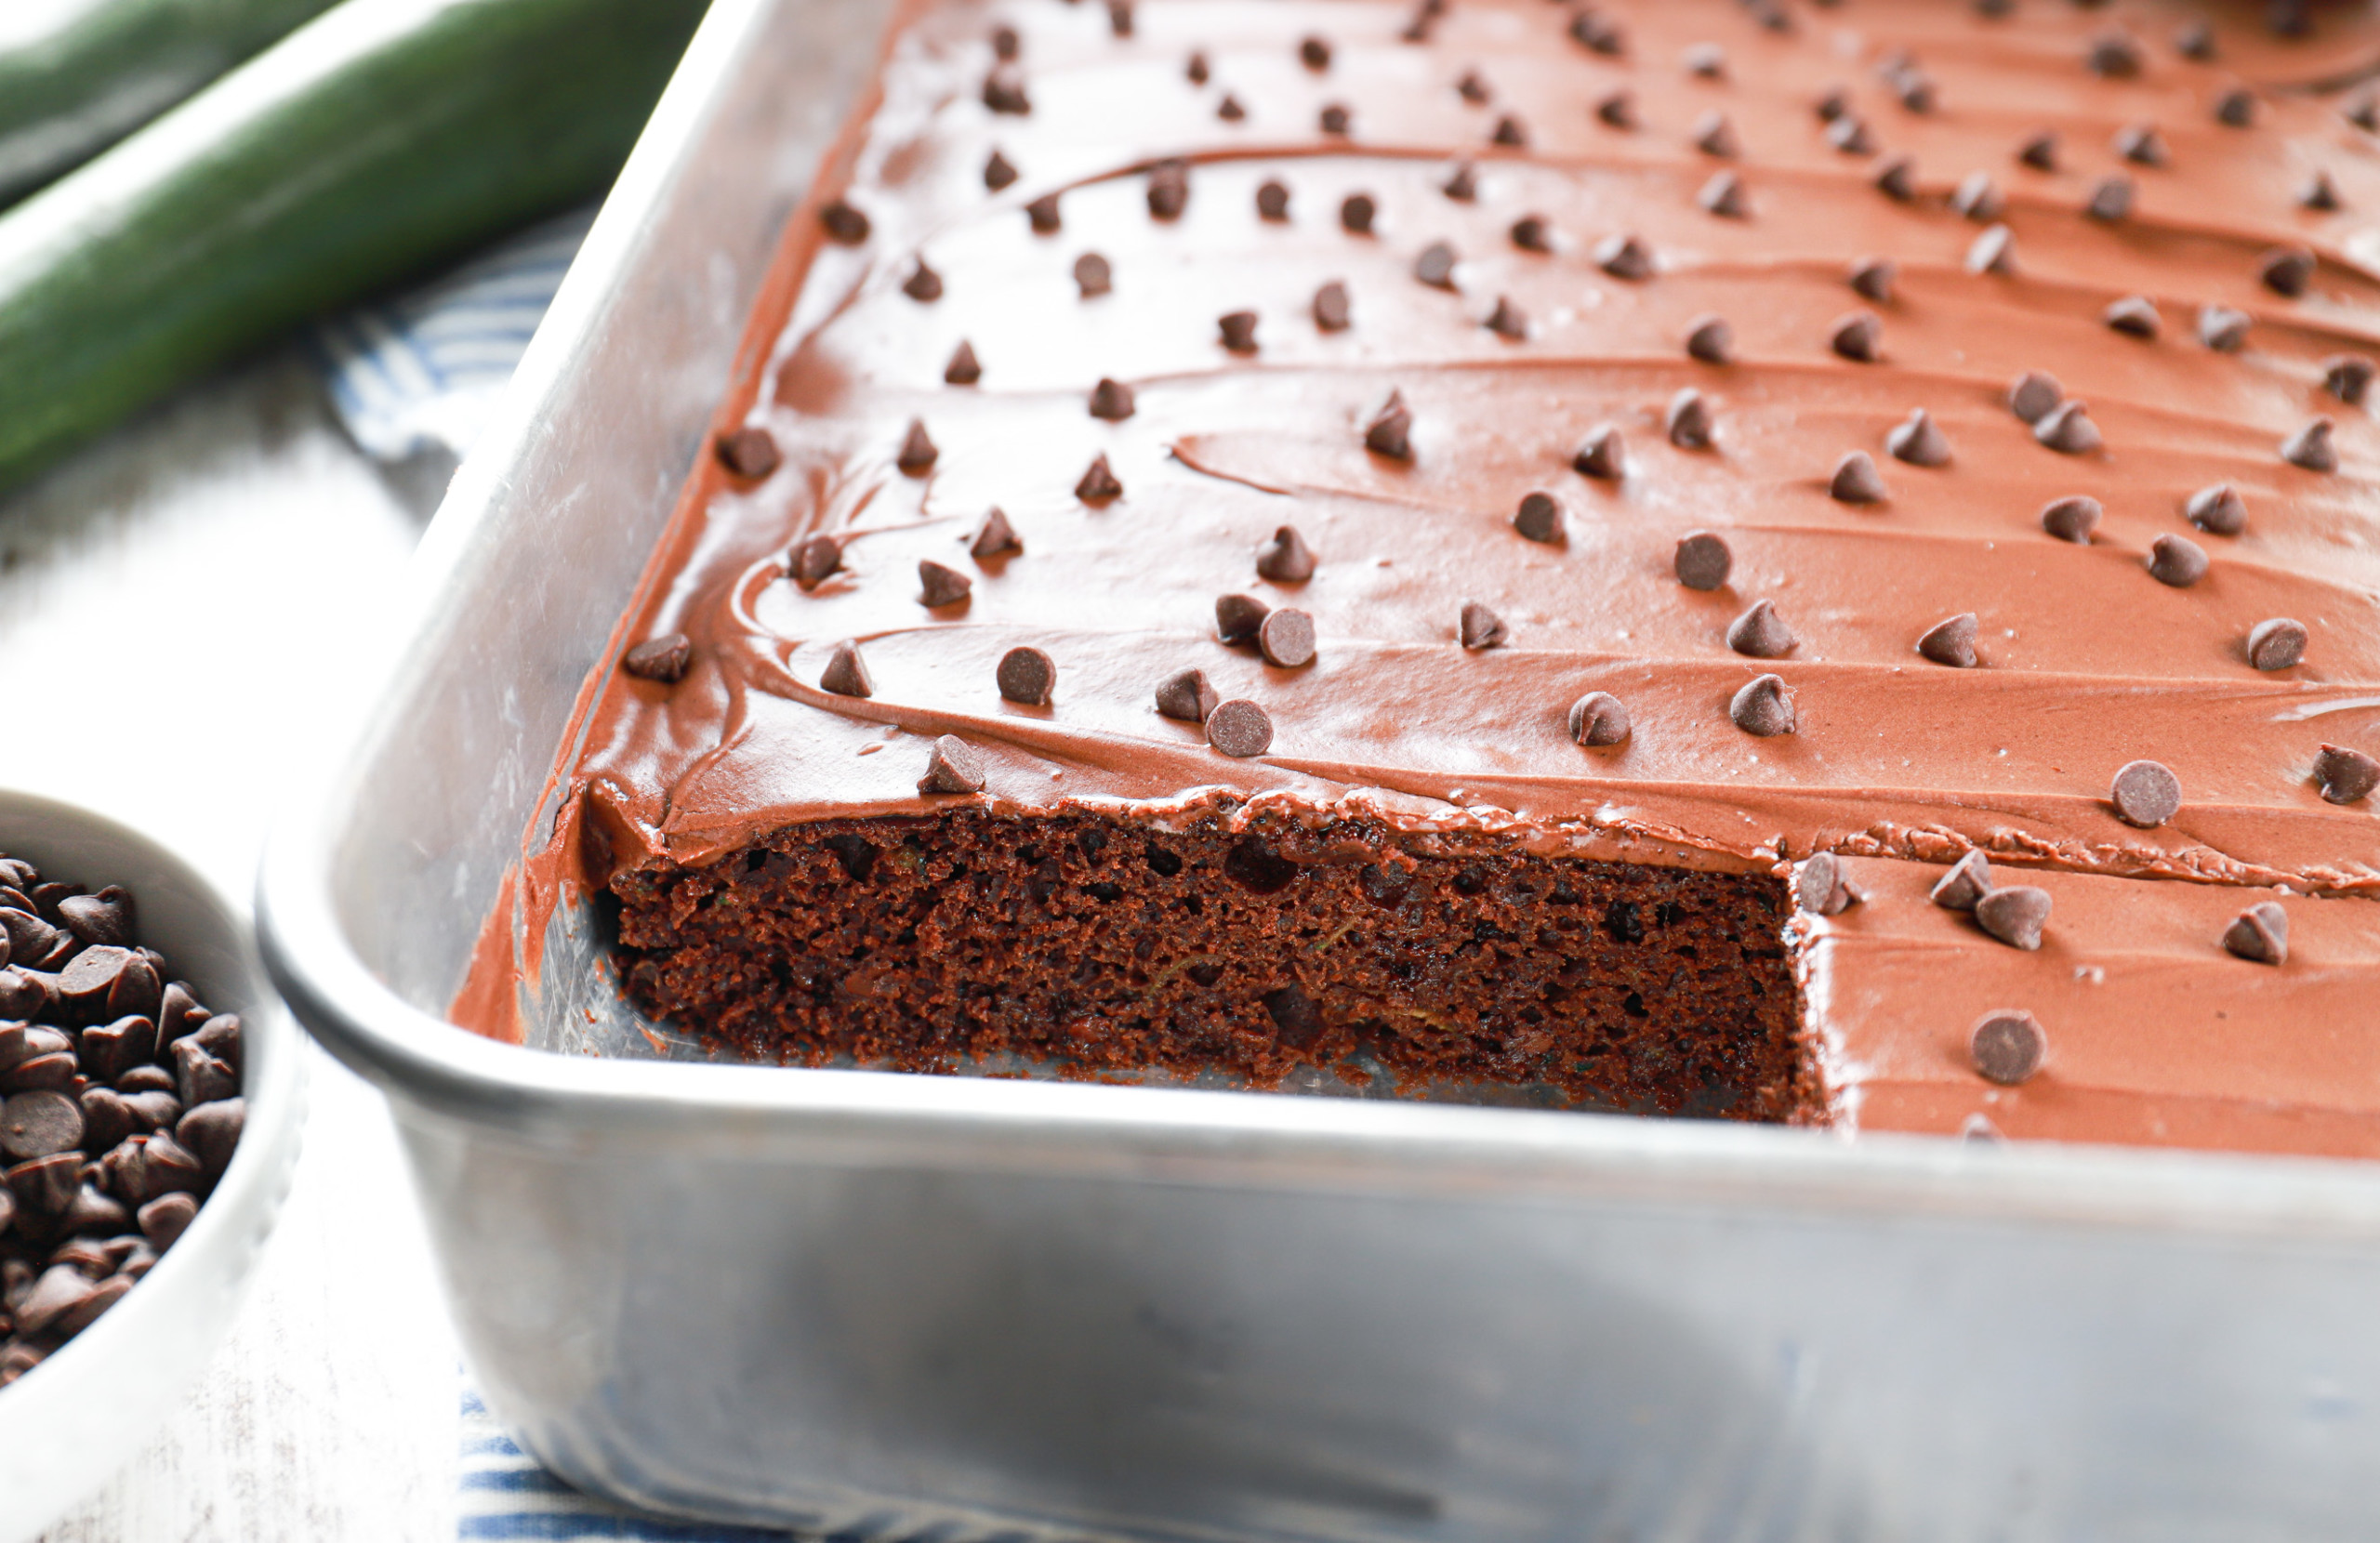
(887, 1305)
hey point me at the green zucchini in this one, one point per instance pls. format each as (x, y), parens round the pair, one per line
(76, 75)
(376, 141)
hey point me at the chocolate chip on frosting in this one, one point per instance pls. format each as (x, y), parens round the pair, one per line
(1461, 184)
(1704, 60)
(1598, 34)
(998, 172)
(1834, 104)
(843, 223)
(1950, 641)
(2071, 518)
(2218, 510)
(2040, 151)
(939, 585)
(1099, 484)
(1478, 627)
(1119, 17)
(1315, 54)
(2110, 199)
(2006, 1047)
(1761, 633)
(1689, 420)
(1703, 560)
(1821, 888)
(1239, 728)
(1026, 676)
(918, 453)
(1993, 252)
(1471, 88)
(1531, 233)
(1330, 307)
(1273, 202)
(2141, 145)
(1507, 320)
(1510, 133)
(1849, 134)
(2310, 447)
(1334, 119)
(846, 673)
(2344, 776)
(1919, 441)
(2236, 108)
(995, 536)
(1763, 707)
(1896, 177)
(1858, 336)
(2068, 429)
(664, 658)
(1978, 198)
(1539, 518)
(1602, 455)
(2277, 642)
(1286, 559)
(1196, 68)
(2347, 376)
(2259, 934)
(1092, 276)
(1286, 638)
(2319, 192)
(814, 556)
(1616, 110)
(2177, 561)
(1969, 881)
(1169, 190)
(2146, 794)
(1389, 432)
(2115, 55)
(1042, 215)
(952, 766)
(2194, 40)
(1855, 480)
(1111, 399)
(1598, 718)
(1709, 339)
(1724, 197)
(1238, 330)
(1186, 696)
(1624, 256)
(1229, 110)
(1004, 92)
(750, 451)
(2013, 913)
(2288, 18)
(1713, 134)
(2034, 395)
(1238, 616)
(2135, 316)
(2362, 110)
(1435, 267)
(1873, 278)
(1006, 45)
(962, 369)
(2222, 328)
(2286, 270)
(923, 283)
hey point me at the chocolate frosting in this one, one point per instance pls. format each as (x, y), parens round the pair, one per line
(2084, 661)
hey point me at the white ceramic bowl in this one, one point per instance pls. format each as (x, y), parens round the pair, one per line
(73, 1420)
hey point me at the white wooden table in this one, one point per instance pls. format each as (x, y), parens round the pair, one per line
(221, 567)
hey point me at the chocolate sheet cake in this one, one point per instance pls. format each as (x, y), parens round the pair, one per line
(1777, 559)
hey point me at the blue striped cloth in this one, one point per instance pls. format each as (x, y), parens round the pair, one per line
(421, 372)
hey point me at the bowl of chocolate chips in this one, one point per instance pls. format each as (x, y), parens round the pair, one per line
(151, 1094)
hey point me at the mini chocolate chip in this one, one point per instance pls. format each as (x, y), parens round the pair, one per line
(1026, 676)
(941, 586)
(998, 172)
(1624, 256)
(1239, 728)
(2222, 328)
(2363, 111)
(2135, 316)
(1873, 278)
(846, 673)
(664, 658)
(1916, 92)
(1896, 177)
(2319, 192)
(1618, 111)
(1098, 484)
(1229, 110)
(1273, 202)
(2236, 108)
(1597, 720)
(2194, 40)
(2344, 776)
(2110, 199)
(952, 766)
(1004, 92)
(1092, 276)
(1709, 339)
(1286, 559)
(1330, 307)
(2141, 145)
(2071, 518)
(1510, 132)
(1426, 16)
(2068, 429)
(844, 223)
(2006, 1047)
(1993, 252)
(1763, 707)
(2218, 510)
(1539, 518)
(1239, 331)
(1724, 197)
(1286, 639)
(923, 283)
(1707, 60)
(2259, 934)
(918, 453)
(1597, 32)
(1196, 68)
(1186, 696)
(1119, 17)
(2286, 270)
(1713, 134)
(1391, 429)
(1530, 234)
(1169, 190)
(1761, 633)
(1471, 89)
(164, 1220)
(1858, 336)
(1334, 119)
(995, 536)
(39, 1123)
(1479, 627)
(1950, 641)
(1917, 441)
(750, 451)
(2177, 561)
(2310, 447)
(1315, 54)
(2288, 18)
(2276, 642)
(1602, 455)
(2347, 376)
(1238, 616)
(2033, 396)
(1836, 103)
(2014, 915)
(1820, 886)
(2114, 55)
(1855, 480)
(1111, 401)
(962, 369)
(1507, 320)
(812, 559)
(2146, 794)
(1969, 881)
(1689, 420)
(1357, 212)
(1978, 198)
(1849, 134)
(1042, 213)
(1702, 561)
(1435, 265)
(2040, 151)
